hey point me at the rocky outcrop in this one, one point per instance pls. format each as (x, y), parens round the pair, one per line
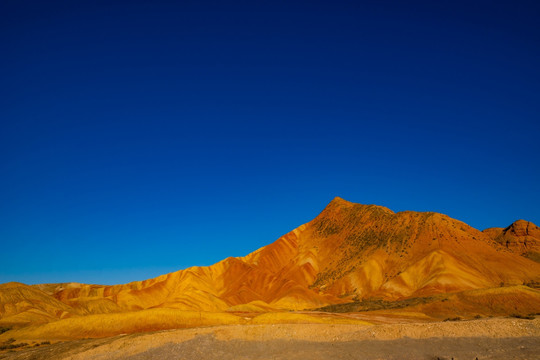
(521, 237)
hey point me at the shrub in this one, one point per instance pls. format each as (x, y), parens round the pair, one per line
(12, 346)
(519, 316)
(457, 318)
(533, 284)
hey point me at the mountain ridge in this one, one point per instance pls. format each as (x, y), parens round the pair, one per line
(348, 252)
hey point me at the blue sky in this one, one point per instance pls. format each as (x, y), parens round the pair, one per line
(139, 138)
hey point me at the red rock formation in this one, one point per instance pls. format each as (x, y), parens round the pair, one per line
(521, 237)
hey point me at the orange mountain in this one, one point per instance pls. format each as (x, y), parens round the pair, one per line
(349, 252)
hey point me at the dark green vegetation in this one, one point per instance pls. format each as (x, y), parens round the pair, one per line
(326, 227)
(457, 318)
(4, 329)
(533, 284)
(349, 223)
(10, 344)
(534, 256)
(526, 317)
(377, 304)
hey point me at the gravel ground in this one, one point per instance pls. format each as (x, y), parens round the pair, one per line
(207, 347)
(481, 339)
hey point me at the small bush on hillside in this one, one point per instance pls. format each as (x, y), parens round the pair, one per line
(12, 346)
(533, 284)
(457, 318)
(518, 316)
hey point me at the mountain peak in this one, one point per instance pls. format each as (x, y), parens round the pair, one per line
(340, 201)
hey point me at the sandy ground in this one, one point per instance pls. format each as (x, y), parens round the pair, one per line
(482, 339)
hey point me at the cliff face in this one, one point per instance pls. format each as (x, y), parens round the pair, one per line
(349, 251)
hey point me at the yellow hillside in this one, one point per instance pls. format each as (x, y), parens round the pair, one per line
(349, 252)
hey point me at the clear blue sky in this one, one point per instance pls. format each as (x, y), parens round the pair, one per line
(142, 137)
